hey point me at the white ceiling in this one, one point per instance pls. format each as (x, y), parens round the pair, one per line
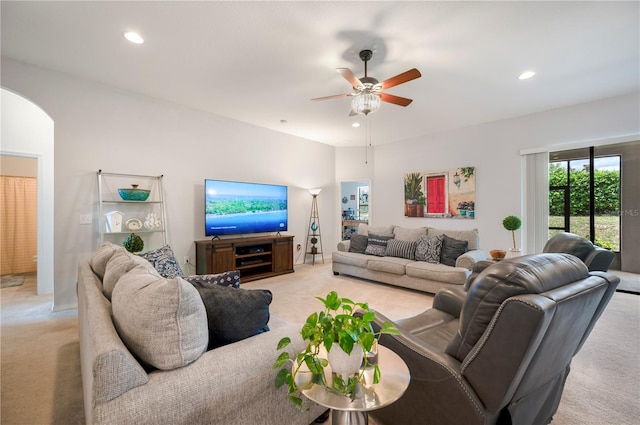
(262, 62)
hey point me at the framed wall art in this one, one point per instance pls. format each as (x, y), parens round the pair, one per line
(441, 193)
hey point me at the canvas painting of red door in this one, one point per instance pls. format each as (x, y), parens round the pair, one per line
(441, 193)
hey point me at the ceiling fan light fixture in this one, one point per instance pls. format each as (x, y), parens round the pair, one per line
(365, 103)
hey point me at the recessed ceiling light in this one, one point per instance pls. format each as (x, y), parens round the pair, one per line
(133, 37)
(355, 125)
(526, 75)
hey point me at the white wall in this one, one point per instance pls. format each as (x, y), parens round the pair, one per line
(99, 127)
(28, 131)
(494, 149)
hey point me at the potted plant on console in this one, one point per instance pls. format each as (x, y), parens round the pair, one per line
(340, 336)
(512, 223)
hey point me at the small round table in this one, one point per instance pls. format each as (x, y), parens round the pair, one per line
(393, 383)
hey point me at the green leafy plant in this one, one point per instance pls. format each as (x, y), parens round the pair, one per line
(336, 324)
(512, 223)
(133, 243)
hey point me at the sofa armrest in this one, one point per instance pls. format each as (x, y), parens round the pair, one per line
(343, 246)
(469, 258)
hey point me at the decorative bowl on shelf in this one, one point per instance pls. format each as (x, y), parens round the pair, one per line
(134, 194)
(497, 254)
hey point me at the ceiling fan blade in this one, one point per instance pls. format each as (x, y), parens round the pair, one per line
(409, 75)
(337, 96)
(350, 77)
(397, 100)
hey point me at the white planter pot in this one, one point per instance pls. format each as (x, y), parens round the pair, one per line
(345, 364)
(513, 253)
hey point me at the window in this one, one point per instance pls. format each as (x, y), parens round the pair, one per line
(583, 202)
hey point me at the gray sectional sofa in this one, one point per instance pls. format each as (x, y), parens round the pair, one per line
(131, 316)
(404, 271)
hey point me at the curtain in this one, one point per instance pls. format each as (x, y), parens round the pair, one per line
(18, 225)
(535, 218)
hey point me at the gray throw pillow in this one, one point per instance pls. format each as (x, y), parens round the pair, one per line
(451, 250)
(234, 314)
(358, 243)
(377, 244)
(429, 248)
(401, 249)
(231, 279)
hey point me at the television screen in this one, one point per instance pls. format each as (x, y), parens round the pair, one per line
(238, 207)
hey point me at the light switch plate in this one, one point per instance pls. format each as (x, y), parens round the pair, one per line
(85, 218)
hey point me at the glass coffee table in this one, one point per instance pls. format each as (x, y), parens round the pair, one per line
(393, 383)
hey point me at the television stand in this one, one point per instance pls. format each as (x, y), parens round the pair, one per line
(256, 257)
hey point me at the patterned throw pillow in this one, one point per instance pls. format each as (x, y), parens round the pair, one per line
(401, 249)
(377, 244)
(164, 261)
(231, 279)
(429, 248)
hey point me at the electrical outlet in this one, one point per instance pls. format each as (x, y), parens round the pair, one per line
(85, 218)
(298, 247)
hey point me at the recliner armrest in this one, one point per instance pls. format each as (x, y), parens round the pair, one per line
(450, 300)
(599, 259)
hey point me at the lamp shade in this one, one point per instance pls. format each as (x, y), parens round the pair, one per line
(365, 102)
(315, 191)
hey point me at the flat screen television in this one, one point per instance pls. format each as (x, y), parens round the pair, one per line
(239, 207)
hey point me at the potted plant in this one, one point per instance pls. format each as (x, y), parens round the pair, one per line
(337, 329)
(133, 243)
(462, 208)
(471, 209)
(512, 223)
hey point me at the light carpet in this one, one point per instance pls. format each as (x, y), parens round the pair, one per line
(40, 366)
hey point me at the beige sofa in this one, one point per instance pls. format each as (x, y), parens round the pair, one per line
(232, 384)
(407, 273)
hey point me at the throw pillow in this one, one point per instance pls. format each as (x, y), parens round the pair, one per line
(164, 261)
(117, 266)
(162, 321)
(102, 256)
(358, 243)
(451, 250)
(401, 249)
(231, 279)
(234, 314)
(377, 244)
(429, 248)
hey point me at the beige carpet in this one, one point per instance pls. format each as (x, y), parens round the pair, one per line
(40, 368)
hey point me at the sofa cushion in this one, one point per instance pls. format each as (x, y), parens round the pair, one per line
(365, 229)
(231, 278)
(162, 321)
(234, 314)
(102, 256)
(429, 248)
(358, 243)
(437, 272)
(377, 244)
(388, 264)
(350, 258)
(401, 249)
(408, 234)
(472, 236)
(119, 264)
(451, 250)
(164, 261)
(531, 274)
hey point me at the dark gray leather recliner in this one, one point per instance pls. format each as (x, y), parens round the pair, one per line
(499, 354)
(596, 258)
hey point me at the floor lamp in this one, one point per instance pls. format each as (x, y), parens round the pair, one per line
(313, 231)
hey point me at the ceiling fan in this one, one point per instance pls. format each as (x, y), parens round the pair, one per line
(368, 92)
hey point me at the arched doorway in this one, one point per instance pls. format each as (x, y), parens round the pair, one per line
(28, 131)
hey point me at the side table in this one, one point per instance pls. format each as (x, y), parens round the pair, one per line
(393, 383)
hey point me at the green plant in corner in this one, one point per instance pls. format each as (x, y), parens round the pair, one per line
(512, 223)
(338, 324)
(133, 243)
